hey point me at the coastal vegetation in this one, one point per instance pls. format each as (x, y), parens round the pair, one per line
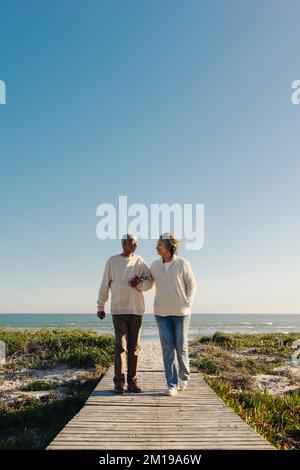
(255, 376)
(46, 378)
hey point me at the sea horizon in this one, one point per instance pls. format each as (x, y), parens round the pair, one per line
(201, 324)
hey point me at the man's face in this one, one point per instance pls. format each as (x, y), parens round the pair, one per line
(129, 246)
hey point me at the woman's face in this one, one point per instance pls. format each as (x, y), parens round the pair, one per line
(161, 249)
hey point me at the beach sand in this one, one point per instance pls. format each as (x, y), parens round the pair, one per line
(151, 355)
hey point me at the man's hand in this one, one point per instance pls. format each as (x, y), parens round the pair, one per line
(135, 281)
(101, 314)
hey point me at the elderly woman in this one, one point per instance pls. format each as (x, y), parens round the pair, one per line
(175, 290)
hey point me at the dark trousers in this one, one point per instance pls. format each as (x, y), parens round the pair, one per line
(127, 338)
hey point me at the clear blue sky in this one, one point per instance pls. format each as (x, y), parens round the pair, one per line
(167, 101)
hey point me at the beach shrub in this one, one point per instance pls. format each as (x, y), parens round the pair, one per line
(206, 365)
(38, 385)
(219, 338)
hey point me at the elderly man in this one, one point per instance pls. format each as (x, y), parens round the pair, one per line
(127, 276)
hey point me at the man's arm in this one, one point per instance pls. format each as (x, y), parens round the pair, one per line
(104, 288)
(145, 277)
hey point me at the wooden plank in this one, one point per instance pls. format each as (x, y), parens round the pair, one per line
(195, 419)
(173, 446)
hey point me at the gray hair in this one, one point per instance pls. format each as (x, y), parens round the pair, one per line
(129, 237)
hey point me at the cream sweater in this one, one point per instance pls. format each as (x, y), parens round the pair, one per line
(175, 288)
(119, 270)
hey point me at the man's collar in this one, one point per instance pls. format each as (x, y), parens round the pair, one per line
(130, 255)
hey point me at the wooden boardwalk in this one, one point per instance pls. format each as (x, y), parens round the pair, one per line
(195, 419)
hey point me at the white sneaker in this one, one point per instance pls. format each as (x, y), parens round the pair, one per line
(171, 392)
(182, 385)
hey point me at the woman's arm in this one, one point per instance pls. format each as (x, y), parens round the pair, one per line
(189, 282)
(145, 278)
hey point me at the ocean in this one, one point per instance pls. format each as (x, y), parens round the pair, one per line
(201, 324)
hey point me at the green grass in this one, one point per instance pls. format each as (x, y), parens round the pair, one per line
(277, 418)
(38, 385)
(48, 347)
(217, 360)
(229, 368)
(263, 343)
(207, 365)
(31, 423)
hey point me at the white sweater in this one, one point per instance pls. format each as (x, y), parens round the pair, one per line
(175, 288)
(119, 270)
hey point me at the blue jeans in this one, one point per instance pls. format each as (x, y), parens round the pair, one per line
(173, 333)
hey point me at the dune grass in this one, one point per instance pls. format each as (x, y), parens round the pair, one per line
(229, 363)
(277, 418)
(31, 423)
(48, 347)
(269, 343)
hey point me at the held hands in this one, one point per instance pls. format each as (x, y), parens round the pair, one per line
(101, 314)
(135, 281)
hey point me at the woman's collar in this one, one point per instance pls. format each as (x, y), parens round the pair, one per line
(174, 258)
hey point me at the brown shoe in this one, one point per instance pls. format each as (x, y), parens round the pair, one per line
(134, 388)
(119, 389)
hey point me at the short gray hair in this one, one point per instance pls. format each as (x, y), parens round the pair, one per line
(129, 237)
